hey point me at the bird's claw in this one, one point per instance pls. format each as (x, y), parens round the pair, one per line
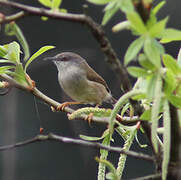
(62, 106)
(89, 118)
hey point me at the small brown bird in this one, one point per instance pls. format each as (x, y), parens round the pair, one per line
(80, 81)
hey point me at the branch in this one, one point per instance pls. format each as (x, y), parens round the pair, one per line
(53, 137)
(150, 177)
(95, 29)
(7, 19)
(55, 104)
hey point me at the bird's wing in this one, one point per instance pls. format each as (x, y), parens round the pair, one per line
(93, 76)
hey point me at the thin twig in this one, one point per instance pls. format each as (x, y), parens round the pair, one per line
(53, 137)
(150, 177)
(96, 30)
(6, 19)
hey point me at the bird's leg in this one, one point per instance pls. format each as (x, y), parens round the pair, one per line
(89, 117)
(63, 105)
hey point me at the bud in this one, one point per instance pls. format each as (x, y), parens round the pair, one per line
(121, 26)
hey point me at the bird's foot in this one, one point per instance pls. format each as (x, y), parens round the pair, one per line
(89, 118)
(62, 106)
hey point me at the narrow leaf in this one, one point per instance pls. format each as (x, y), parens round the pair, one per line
(20, 75)
(170, 35)
(157, 29)
(3, 69)
(56, 3)
(170, 82)
(171, 64)
(46, 3)
(158, 7)
(133, 49)
(136, 22)
(137, 71)
(38, 53)
(3, 51)
(146, 116)
(166, 139)
(109, 13)
(126, 6)
(99, 2)
(89, 138)
(175, 100)
(13, 29)
(13, 54)
(145, 63)
(152, 51)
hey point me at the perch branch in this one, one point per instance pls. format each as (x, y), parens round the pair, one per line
(53, 137)
(55, 104)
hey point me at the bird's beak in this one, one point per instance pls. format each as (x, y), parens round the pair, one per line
(49, 59)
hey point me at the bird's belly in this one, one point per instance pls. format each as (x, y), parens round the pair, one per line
(78, 88)
(74, 86)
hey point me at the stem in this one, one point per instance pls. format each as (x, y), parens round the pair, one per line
(118, 105)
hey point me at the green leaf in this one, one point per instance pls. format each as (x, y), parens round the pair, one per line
(136, 22)
(20, 75)
(3, 69)
(3, 51)
(158, 7)
(110, 10)
(171, 64)
(152, 52)
(170, 35)
(170, 82)
(157, 29)
(145, 63)
(137, 71)
(56, 4)
(133, 49)
(146, 116)
(12, 29)
(126, 6)
(46, 3)
(175, 100)
(166, 139)
(89, 138)
(13, 54)
(38, 53)
(99, 2)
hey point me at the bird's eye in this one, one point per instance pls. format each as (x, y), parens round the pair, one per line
(64, 58)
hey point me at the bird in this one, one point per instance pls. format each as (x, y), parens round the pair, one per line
(79, 81)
